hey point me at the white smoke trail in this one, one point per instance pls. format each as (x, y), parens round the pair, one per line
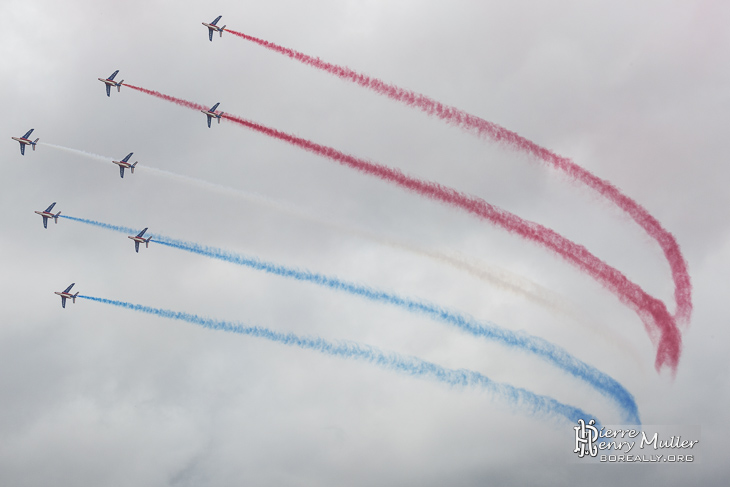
(248, 195)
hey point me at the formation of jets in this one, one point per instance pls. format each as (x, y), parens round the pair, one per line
(24, 140)
(138, 239)
(214, 28)
(212, 113)
(125, 164)
(65, 294)
(109, 83)
(46, 214)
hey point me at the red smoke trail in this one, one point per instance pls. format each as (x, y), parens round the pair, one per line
(658, 322)
(484, 128)
(176, 101)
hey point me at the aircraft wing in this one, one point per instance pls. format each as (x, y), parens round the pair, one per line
(22, 145)
(212, 109)
(51, 206)
(126, 159)
(136, 246)
(108, 90)
(45, 221)
(28, 133)
(216, 20)
(209, 117)
(210, 34)
(142, 232)
(110, 78)
(69, 288)
(121, 171)
(63, 302)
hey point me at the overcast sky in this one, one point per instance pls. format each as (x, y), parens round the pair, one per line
(97, 395)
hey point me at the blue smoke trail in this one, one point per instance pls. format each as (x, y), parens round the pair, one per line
(519, 398)
(559, 357)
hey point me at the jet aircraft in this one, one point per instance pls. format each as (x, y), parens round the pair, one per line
(46, 214)
(212, 114)
(138, 239)
(125, 164)
(214, 28)
(109, 82)
(24, 140)
(65, 294)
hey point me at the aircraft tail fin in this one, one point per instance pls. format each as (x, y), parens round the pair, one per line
(74, 297)
(35, 142)
(55, 218)
(147, 242)
(222, 29)
(219, 117)
(119, 86)
(133, 166)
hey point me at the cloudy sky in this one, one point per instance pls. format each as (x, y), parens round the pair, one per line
(98, 395)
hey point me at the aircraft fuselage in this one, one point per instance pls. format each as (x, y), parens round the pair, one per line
(213, 27)
(22, 140)
(109, 81)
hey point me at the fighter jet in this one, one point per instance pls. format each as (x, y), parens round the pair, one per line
(214, 28)
(109, 82)
(65, 294)
(138, 240)
(212, 114)
(24, 140)
(125, 164)
(46, 214)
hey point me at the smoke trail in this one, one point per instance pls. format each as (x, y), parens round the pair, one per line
(559, 357)
(534, 292)
(84, 153)
(484, 128)
(515, 284)
(660, 325)
(520, 399)
(497, 277)
(247, 195)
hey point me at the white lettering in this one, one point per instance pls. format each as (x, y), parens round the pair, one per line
(645, 441)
